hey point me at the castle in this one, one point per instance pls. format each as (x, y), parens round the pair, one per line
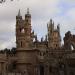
(34, 57)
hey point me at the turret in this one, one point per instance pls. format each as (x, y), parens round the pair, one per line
(23, 30)
(18, 18)
(51, 26)
(54, 39)
(28, 23)
(58, 29)
(28, 17)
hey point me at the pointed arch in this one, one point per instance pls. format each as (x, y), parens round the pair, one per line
(72, 45)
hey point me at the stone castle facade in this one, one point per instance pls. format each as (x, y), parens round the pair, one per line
(45, 57)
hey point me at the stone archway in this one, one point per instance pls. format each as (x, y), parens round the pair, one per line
(72, 45)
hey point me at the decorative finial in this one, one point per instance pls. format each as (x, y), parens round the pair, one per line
(27, 10)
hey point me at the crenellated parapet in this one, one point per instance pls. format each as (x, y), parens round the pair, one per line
(69, 41)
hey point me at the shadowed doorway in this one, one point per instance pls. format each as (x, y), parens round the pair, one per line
(41, 70)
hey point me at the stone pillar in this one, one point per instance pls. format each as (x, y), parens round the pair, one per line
(36, 70)
(46, 70)
(0, 69)
(3, 68)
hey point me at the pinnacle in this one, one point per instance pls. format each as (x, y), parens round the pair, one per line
(19, 14)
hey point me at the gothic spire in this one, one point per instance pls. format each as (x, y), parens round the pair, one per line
(19, 14)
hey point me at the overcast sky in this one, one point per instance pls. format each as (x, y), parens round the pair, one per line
(61, 11)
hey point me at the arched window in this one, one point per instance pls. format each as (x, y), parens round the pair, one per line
(72, 48)
(22, 30)
(41, 70)
(21, 43)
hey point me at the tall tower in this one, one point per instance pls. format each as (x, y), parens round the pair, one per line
(54, 39)
(28, 28)
(18, 29)
(23, 30)
(50, 28)
(25, 54)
